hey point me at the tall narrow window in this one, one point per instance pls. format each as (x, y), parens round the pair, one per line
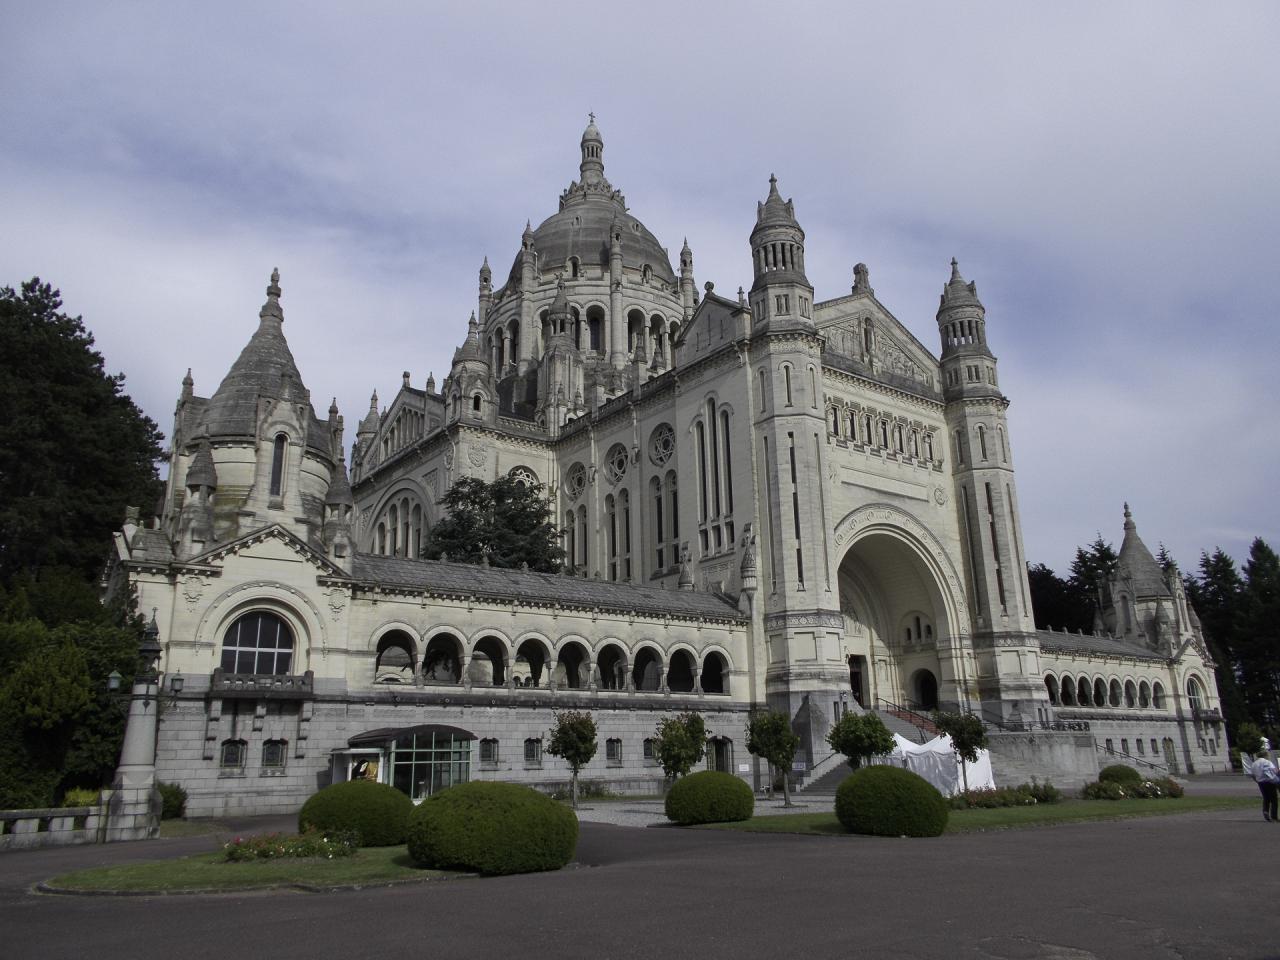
(982, 441)
(674, 502)
(703, 503)
(715, 458)
(611, 514)
(582, 534)
(763, 395)
(655, 491)
(624, 500)
(813, 388)
(1004, 446)
(728, 463)
(786, 375)
(277, 464)
(995, 546)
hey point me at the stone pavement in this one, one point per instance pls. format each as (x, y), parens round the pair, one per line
(1191, 886)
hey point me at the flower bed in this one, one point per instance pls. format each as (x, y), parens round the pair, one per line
(276, 846)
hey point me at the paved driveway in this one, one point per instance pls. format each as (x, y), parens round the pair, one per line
(1194, 886)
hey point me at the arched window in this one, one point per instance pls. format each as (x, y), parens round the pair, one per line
(611, 535)
(763, 394)
(957, 440)
(1195, 693)
(277, 464)
(1051, 685)
(395, 658)
(582, 535)
(786, 376)
(1004, 446)
(982, 441)
(624, 513)
(813, 388)
(866, 429)
(1157, 695)
(258, 642)
(475, 403)
(704, 504)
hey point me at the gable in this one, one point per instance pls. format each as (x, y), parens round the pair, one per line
(714, 323)
(894, 350)
(270, 545)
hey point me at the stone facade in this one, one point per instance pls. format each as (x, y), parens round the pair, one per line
(766, 499)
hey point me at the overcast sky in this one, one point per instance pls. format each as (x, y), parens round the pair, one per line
(1106, 173)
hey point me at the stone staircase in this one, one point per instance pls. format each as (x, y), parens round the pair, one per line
(828, 772)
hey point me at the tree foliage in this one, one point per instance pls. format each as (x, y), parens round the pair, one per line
(968, 735)
(573, 739)
(506, 523)
(769, 736)
(75, 450)
(681, 742)
(859, 736)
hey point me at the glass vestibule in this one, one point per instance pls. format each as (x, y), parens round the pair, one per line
(422, 760)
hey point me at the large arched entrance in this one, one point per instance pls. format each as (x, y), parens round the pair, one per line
(898, 619)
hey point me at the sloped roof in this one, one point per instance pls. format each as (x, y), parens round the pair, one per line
(1090, 644)
(470, 580)
(1137, 565)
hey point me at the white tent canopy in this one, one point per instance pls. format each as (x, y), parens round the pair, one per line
(936, 761)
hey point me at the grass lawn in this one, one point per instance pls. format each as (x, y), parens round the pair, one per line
(210, 872)
(1003, 818)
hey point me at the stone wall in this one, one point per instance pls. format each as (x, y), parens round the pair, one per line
(54, 827)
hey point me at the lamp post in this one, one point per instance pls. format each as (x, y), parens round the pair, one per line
(134, 811)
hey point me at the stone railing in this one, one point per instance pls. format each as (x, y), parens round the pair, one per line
(52, 827)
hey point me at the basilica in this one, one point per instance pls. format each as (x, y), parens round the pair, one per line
(766, 499)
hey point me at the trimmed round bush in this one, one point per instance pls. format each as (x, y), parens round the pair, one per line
(492, 828)
(888, 801)
(709, 797)
(375, 812)
(1119, 773)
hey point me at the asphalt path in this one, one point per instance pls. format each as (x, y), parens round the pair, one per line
(1192, 886)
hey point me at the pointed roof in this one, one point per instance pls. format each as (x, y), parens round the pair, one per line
(339, 494)
(1137, 565)
(202, 472)
(265, 367)
(959, 292)
(774, 210)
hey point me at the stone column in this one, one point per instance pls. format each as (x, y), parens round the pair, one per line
(133, 811)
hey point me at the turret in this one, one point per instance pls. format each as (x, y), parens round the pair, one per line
(528, 267)
(485, 299)
(339, 505)
(591, 169)
(781, 294)
(195, 528)
(688, 288)
(968, 365)
(365, 458)
(471, 388)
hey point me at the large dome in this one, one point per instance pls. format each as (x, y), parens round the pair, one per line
(588, 208)
(582, 230)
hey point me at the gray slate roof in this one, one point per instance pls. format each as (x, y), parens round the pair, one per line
(1137, 564)
(1087, 643)
(468, 579)
(264, 367)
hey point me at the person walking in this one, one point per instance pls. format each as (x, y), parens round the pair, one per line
(1266, 776)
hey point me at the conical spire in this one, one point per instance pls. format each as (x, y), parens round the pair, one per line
(339, 493)
(958, 292)
(486, 274)
(775, 210)
(272, 307)
(1136, 564)
(202, 473)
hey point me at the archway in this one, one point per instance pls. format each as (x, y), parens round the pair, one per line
(441, 661)
(488, 663)
(611, 667)
(395, 660)
(530, 667)
(924, 690)
(680, 672)
(898, 615)
(715, 674)
(572, 667)
(647, 674)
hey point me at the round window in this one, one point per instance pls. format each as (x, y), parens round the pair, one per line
(662, 444)
(615, 462)
(575, 481)
(524, 477)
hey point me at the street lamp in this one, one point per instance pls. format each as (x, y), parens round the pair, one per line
(113, 681)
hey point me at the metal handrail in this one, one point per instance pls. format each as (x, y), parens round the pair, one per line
(1117, 753)
(918, 720)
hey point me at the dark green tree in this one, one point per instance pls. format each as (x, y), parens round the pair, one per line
(1259, 634)
(573, 739)
(506, 523)
(1215, 594)
(1091, 569)
(1057, 603)
(859, 736)
(75, 450)
(681, 742)
(968, 735)
(769, 736)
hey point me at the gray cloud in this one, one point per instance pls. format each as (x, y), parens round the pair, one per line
(1104, 172)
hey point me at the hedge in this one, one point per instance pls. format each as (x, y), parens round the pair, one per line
(888, 801)
(709, 797)
(377, 813)
(492, 828)
(1119, 773)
